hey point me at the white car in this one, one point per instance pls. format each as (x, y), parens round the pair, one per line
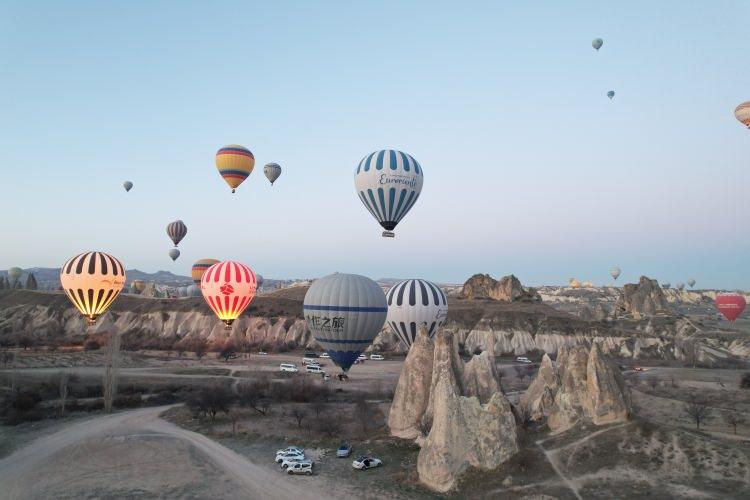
(523, 359)
(288, 449)
(314, 369)
(325, 355)
(295, 460)
(288, 367)
(300, 468)
(262, 353)
(363, 463)
(377, 357)
(281, 457)
(362, 357)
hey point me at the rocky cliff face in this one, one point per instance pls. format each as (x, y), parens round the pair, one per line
(642, 300)
(508, 289)
(460, 417)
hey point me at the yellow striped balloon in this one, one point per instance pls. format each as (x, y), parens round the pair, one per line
(199, 268)
(235, 163)
(92, 281)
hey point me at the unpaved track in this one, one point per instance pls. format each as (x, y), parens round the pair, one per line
(137, 426)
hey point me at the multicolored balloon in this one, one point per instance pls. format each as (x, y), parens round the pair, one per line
(597, 43)
(730, 305)
(742, 113)
(127, 185)
(235, 163)
(176, 231)
(615, 272)
(344, 312)
(92, 281)
(388, 182)
(228, 288)
(413, 303)
(199, 268)
(272, 171)
(611, 94)
(174, 253)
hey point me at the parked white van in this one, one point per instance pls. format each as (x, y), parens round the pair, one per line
(314, 369)
(288, 367)
(309, 361)
(377, 357)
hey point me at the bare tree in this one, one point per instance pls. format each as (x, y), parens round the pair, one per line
(64, 378)
(200, 350)
(318, 405)
(698, 412)
(329, 424)
(111, 367)
(299, 414)
(208, 401)
(253, 395)
(229, 351)
(652, 381)
(734, 419)
(362, 412)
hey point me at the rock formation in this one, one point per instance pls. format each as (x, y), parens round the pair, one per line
(584, 386)
(466, 418)
(508, 289)
(642, 300)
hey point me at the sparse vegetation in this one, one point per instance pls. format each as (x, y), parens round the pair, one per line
(734, 419)
(698, 412)
(209, 401)
(745, 381)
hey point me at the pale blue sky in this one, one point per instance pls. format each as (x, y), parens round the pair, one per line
(529, 168)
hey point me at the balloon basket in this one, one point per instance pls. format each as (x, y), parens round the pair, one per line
(389, 234)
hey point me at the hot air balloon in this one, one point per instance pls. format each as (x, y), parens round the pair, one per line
(666, 286)
(138, 285)
(199, 268)
(680, 286)
(174, 253)
(176, 231)
(345, 312)
(691, 282)
(228, 288)
(92, 281)
(259, 279)
(742, 113)
(730, 305)
(615, 272)
(127, 185)
(611, 94)
(413, 303)
(235, 163)
(597, 43)
(388, 182)
(272, 171)
(194, 291)
(14, 273)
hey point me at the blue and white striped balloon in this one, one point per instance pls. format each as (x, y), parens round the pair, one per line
(388, 182)
(413, 303)
(345, 312)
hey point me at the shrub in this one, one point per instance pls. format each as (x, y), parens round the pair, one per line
(745, 381)
(91, 345)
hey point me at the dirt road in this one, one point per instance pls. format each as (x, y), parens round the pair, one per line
(136, 453)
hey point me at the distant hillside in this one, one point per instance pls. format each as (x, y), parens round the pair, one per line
(49, 277)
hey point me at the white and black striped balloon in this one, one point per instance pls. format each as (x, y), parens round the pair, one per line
(92, 281)
(415, 302)
(176, 231)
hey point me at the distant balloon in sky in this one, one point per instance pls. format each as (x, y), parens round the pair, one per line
(666, 286)
(742, 113)
(344, 313)
(176, 231)
(174, 253)
(691, 282)
(413, 303)
(92, 281)
(14, 273)
(127, 185)
(235, 163)
(680, 286)
(228, 288)
(611, 94)
(272, 171)
(199, 268)
(730, 305)
(259, 279)
(597, 43)
(388, 182)
(615, 272)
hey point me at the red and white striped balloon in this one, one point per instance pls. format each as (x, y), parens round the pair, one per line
(228, 288)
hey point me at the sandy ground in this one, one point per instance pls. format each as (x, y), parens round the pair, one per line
(137, 454)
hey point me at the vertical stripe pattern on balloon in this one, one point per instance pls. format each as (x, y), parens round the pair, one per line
(228, 288)
(92, 281)
(413, 303)
(176, 231)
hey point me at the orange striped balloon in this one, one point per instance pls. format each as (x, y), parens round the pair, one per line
(235, 163)
(228, 288)
(92, 281)
(199, 268)
(742, 113)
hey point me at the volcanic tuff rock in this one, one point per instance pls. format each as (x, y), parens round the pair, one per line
(508, 289)
(469, 420)
(642, 300)
(540, 395)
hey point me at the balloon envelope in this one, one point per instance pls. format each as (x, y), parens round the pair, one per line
(345, 312)
(611, 94)
(228, 288)
(615, 272)
(272, 171)
(597, 43)
(176, 231)
(730, 305)
(127, 185)
(666, 286)
(174, 253)
(742, 113)
(14, 273)
(138, 285)
(691, 282)
(92, 281)
(413, 303)
(259, 278)
(388, 182)
(200, 267)
(235, 163)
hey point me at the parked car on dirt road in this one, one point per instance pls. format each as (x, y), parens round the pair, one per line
(363, 463)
